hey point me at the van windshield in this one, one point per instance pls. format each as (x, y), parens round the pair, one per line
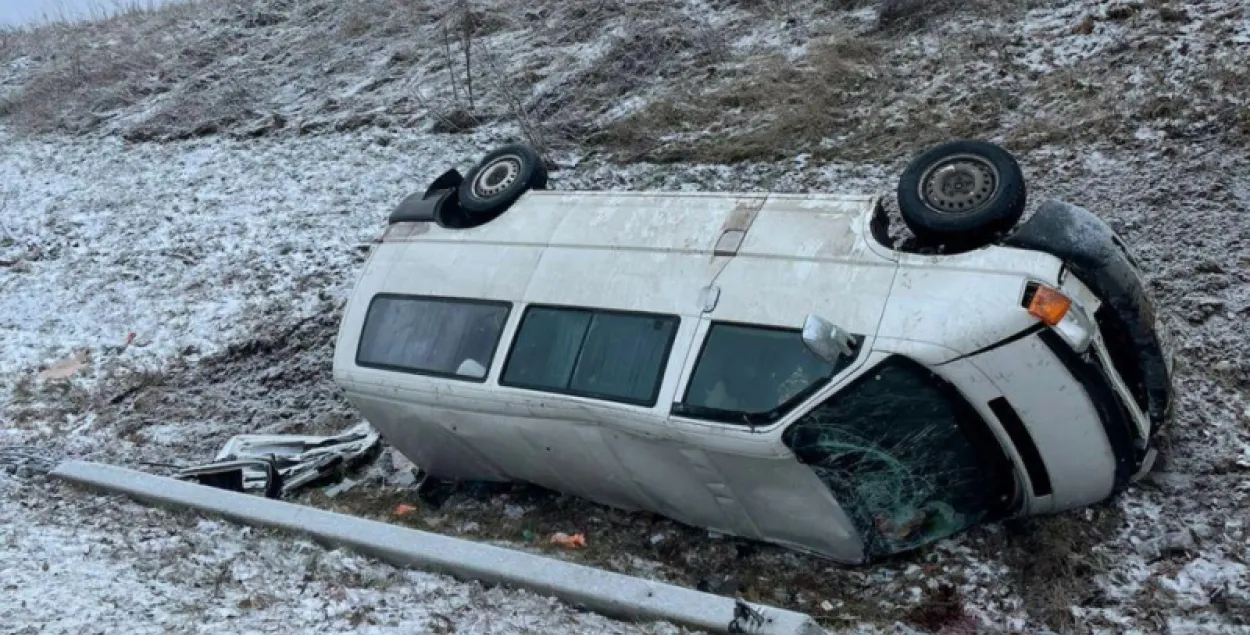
(906, 457)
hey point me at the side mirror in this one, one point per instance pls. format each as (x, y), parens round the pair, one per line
(826, 340)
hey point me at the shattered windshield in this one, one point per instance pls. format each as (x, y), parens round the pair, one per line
(752, 375)
(906, 456)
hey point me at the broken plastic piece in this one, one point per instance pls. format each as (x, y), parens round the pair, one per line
(66, 368)
(575, 541)
(279, 464)
(230, 475)
(403, 509)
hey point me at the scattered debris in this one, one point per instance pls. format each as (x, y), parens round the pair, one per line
(403, 471)
(1169, 544)
(744, 613)
(345, 485)
(720, 584)
(66, 368)
(575, 541)
(403, 509)
(940, 608)
(279, 464)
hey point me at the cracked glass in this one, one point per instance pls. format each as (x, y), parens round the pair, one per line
(906, 456)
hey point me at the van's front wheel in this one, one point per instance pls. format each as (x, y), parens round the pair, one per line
(962, 192)
(500, 178)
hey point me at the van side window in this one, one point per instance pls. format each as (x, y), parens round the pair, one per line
(752, 375)
(605, 355)
(431, 336)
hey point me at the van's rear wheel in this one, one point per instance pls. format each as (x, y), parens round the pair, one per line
(963, 192)
(500, 178)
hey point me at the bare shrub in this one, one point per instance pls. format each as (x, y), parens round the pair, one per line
(71, 94)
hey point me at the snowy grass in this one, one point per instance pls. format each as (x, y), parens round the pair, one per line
(298, 125)
(217, 253)
(692, 81)
(75, 562)
(155, 239)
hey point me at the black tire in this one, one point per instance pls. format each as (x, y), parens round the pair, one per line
(962, 193)
(500, 178)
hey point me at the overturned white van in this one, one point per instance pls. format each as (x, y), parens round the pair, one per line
(764, 365)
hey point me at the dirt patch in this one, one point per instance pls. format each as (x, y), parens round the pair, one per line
(527, 517)
(1055, 563)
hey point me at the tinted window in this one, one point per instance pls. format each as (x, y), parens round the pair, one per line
(752, 375)
(431, 335)
(906, 456)
(606, 355)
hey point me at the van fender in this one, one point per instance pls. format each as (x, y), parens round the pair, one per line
(437, 199)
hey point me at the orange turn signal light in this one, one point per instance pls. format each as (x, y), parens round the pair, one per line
(1049, 305)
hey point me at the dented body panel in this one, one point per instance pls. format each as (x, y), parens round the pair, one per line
(949, 330)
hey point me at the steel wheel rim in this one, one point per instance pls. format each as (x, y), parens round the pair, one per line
(959, 184)
(497, 176)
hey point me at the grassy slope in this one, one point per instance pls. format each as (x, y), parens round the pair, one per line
(699, 80)
(1130, 107)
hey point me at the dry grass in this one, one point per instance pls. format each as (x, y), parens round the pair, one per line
(639, 79)
(1054, 563)
(911, 14)
(845, 100)
(941, 610)
(777, 109)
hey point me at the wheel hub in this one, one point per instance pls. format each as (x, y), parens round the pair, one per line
(497, 176)
(959, 184)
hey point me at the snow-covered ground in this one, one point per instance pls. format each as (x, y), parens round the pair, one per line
(73, 562)
(187, 246)
(228, 258)
(193, 247)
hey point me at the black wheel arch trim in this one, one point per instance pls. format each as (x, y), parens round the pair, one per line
(1091, 250)
(429, 205)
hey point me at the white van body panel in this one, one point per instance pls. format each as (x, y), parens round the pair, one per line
(763, 259)
(1073, 446)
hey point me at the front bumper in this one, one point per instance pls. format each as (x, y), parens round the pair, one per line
(1136, 348)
